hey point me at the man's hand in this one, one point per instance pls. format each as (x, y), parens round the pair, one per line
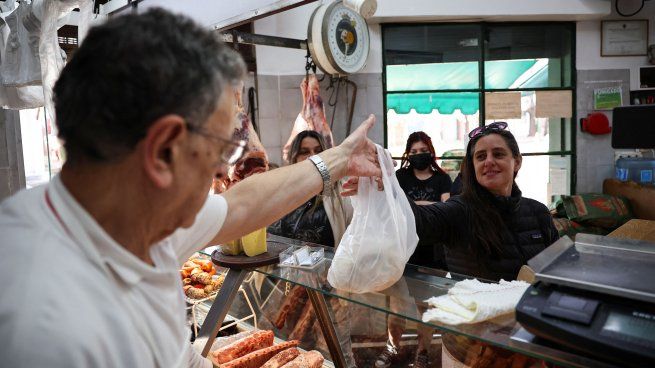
(361, 152)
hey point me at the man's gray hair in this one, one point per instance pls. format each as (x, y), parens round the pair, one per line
(134, 69)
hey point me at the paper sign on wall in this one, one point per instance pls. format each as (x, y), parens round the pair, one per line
(502, 105)
(607, 98)
(554, 104)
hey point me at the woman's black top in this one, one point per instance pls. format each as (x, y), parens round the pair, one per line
(429, 189)
(527, 229)
(427, 253)
(309, 222)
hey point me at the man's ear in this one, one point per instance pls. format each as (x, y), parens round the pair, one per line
(161, 147)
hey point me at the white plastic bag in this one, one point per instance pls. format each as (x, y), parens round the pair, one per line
(379, 240)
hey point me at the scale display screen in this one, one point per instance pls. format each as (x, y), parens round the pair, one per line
(628, 325)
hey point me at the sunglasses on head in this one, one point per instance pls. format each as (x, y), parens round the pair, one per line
(499, 125)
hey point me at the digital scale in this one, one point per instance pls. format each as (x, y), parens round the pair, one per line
(595, 295)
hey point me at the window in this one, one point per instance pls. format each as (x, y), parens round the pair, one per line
(437, 77)
(43, 154)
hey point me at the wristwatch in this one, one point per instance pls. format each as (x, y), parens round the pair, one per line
(325, 174)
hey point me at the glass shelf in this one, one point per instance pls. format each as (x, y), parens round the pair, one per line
(406, 299)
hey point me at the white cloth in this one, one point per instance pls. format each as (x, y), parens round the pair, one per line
(472, 301)
(73, 297)
(15, 97)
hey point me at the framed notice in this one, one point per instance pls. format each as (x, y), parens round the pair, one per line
(624, 37)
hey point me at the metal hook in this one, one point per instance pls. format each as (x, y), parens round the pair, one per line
(235, 40)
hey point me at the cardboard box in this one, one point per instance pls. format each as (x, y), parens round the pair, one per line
(636, 229)
(642, 198)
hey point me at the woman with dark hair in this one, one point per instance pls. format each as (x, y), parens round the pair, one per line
(424, 182)
(321, 220)
(490, 230)
(419, 175)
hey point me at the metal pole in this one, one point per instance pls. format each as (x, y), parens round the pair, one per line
(327, 327)
(220, 307)
(264, 40)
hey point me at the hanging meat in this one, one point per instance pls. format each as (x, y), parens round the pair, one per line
(312, 115)
(254, 161)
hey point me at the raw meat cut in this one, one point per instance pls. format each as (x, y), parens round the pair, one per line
(312, 115)
(254, 161)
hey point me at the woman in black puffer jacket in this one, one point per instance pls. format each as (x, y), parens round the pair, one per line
(490, 230)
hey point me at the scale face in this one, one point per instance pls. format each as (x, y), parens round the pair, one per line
(338, 39)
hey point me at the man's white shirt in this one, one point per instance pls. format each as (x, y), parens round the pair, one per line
(73, 297)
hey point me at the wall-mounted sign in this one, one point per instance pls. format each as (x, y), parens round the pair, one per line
(554, 104)
(607, 98)
(624, 37)
(502, 105)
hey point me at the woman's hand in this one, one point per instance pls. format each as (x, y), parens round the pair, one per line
(351, 186)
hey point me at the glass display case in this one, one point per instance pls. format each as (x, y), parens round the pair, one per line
(352, 329)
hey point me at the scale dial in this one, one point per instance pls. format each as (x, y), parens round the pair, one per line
(338, 39)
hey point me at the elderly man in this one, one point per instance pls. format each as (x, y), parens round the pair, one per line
(89, 262)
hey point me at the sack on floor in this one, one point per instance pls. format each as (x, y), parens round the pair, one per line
(593, 209)
(381, 237)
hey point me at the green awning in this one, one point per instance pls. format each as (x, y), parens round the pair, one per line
(461, 75)
(425, 103)
(503, 73)
(499, 74)
(421, 77)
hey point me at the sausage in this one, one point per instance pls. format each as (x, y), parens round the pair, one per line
(290, 301)
(304, 323)
(310, 359)
(239, 348)
(282, 358)
(257, 358)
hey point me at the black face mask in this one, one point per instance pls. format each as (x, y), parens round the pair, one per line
(420, 161)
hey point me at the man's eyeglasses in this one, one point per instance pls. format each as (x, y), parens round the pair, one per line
(499, 125)
(232, 151)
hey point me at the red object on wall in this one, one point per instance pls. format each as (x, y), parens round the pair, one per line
(596, 123)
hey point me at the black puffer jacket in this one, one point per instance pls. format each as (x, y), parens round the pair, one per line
(528, 229)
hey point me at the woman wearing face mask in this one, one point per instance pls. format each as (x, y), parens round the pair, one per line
(425, 183)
